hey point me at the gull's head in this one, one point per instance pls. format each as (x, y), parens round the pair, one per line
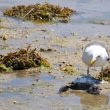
(99, 59)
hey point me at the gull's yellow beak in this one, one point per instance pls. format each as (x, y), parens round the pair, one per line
(92, 62)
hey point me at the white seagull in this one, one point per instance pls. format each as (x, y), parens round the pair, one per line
(95, 55)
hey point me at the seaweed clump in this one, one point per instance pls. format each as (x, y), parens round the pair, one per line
(42, 12)
(106, 74)
(23, 59)
(69, 69)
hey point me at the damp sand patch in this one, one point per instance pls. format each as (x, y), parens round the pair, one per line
(22, 59)
(39, 12)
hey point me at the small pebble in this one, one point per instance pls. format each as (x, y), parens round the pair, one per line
(30, 92)
(33, 84)
(14, 102)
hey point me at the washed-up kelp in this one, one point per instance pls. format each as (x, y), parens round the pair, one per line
(23, 59)
(42, 12)
(106, 74)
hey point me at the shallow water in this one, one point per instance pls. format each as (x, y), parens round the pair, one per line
(41, 91)
(24, 91)
(92, 18)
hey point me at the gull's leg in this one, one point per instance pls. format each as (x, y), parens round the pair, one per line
(102, 80)
(88, 71)
(88, 75)
(102, 74)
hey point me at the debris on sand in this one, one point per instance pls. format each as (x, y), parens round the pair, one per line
(106, 74)
(23, 59)
(39, 12)
(64, 21)
(90, 88)
(4, 37)
(46, 50)
(68, 68)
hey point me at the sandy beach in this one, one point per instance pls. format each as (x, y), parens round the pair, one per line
(33, 89)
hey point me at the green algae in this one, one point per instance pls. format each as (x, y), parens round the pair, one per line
(3, 68)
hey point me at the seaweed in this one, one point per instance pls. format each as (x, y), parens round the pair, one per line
(106, 74)
(23, 59)
(4, 68)
(68, 68)
(39, 12)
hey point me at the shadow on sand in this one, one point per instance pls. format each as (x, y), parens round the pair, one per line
(84, 83)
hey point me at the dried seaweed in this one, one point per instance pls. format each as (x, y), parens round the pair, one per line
(69, 69)
(23, 59)
(106, 74)
(42, 12)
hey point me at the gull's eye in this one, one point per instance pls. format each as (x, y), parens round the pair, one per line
(108, 59)
(98, 56)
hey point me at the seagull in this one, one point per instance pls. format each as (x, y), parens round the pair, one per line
(95, 55)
